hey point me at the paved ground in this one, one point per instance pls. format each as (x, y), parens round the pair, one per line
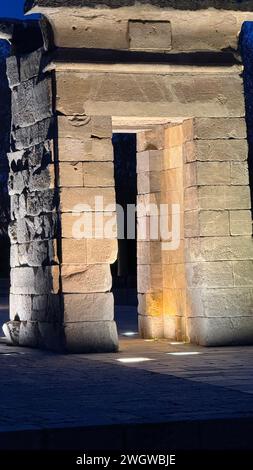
(202, 400)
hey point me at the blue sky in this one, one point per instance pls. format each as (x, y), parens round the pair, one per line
(11, 8)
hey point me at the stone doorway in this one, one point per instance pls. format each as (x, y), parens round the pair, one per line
(162, 146)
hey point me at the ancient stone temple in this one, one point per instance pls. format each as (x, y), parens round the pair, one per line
(169, 71)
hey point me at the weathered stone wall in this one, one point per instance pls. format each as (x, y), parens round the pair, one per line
(85, 172)
(60, 283)
(35, 311)
(217, 224)
(144, 27)
(202, 290)
(219, 249)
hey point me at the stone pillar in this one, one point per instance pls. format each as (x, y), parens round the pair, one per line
(35, 314)
(88, 247)
(161, 262)
(60, 273)
(178, 142)
(150, 149)
(219, 248)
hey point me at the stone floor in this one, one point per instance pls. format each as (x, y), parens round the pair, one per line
(169, 396)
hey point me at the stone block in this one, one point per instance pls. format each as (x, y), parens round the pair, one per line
(174, 256)
(150, 304)
(174, 276)
(150, 35)
(220, 128)
(29, 229)
(240, 222)
(26, 137)
(243, 273)
(20, 307)
(82, 127)
(37, 180)
(222, 302)
(31, 65)
(86, 150)
(185, 95)
(191, 224)
(151, 327)
(173, 136)
(88, 307)
(219, 249)
(31, 102)
(191, 202)
(45, 308)
(213, 223)
(173, 197)
(188, 130)
(37, 281)
(223, 331)
(96, 174)
(190, 174)
(101, 32)
(150, 160)
(89, 225)
(172, 180)
(174, 328)
(173, 157)
(87, 199)
(91, 337)
(189, 152)
(101, 251)
(210, 274)
(149, 252)
(224, 197)
(213, 173)
(86, 278)
(239, 173)
(152, 139)
(38, 203)
(34, 159)
(148, 181)
(41, 335)
(221, 150)
(174, 303)
(149, 278)
(70, 174)
(35, 254)
(148, 228)
(73, 251)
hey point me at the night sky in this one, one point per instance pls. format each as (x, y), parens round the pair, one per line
(11, 8)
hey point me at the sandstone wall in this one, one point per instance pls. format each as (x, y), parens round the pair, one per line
(85, 172)
(219, 249)
(146, 27)
(213, 273)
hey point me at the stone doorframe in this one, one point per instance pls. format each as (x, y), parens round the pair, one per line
(60, 284)
(163, 147)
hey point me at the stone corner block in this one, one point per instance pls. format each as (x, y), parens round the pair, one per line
(213, 331)
(91, 337)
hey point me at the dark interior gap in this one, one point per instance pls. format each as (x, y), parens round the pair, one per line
(124, 270)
